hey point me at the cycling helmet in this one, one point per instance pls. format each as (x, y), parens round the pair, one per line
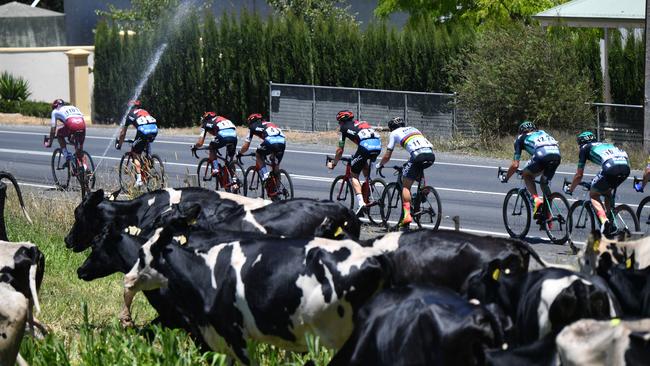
(343, 116)
(134, 103)
(254, 117)
(57, 103)
(208, 116)
(526, 126)
(585, 138)
(396, 123)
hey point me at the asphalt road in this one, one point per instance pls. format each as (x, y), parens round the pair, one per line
(468, 186)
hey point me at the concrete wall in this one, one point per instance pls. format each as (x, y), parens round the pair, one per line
(32, 31)
(45, 68)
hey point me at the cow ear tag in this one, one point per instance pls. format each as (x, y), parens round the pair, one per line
(338, 232)
(496, 274)
(615, 322)
(628, 263)
(191, 222)
(596, 245)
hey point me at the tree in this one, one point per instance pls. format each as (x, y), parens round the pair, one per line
(310, 10)
(143, 14)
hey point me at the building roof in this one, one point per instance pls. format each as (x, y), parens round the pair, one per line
(15, 9)
(596, 13)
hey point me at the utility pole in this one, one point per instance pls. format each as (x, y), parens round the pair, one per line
(646, 83)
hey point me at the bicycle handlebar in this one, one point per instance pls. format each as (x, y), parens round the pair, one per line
(585, 185)
(46, 139)
(329, 158)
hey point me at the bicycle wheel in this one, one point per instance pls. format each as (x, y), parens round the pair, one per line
(581, 221)
(427, 207)
(127, 174)
(516, 213)
(155, 173)
(253, 185)
(557, 218)
(90, 169)
(60, 173)
(643, 215)
(237, 178)
(204, 174)
(341, 192)
(391, 207)
(625, 218)
(284, 186)
(377, 188)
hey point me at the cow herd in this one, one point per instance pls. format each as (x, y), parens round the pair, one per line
(230, 269)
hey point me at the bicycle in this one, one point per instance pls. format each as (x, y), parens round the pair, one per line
(81, 166)
(278, 186)
(552, 216)
(371, 189)
(152, 170)
(227, 178)
(643, 211)
(425, 202)
(582, 217)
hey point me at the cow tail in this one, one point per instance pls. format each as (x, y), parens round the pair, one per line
(32, 286)
(20, 195)
(525, 247)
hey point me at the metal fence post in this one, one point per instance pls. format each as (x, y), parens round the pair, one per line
(271, 101)
(406, 108)
(598, 122)
(313, 108)
(359, 104)
(454, 126)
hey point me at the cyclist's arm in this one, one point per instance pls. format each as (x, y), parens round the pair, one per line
(339, 151)
(577, 178)
(517, 156)
(122, 135)
(512, 169)
(386, 158)
(201, 140)
(53, 126)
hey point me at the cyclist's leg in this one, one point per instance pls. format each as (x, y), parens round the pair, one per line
(358, 163)
(413, 171)
(139, 144)
(262, 151)
(531, 170)
(278, 154)
(214, 147)
(61, 133)
(599, 187)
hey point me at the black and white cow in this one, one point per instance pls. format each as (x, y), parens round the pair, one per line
(219, 210)
(608, 343)
(14, 309)
(3, 196)
(274, 290)
(634, 254)
(544, 301)
(420, 325)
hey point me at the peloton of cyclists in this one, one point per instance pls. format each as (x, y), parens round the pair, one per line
(146, 131)
(544, 159)
(225, 135)
(421, 157)
(72, 126)
(273, 143)
(615, 168)
(369, 147)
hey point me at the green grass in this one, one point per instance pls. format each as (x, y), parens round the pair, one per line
(82, 316)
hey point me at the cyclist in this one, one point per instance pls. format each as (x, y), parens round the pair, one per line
(369, 147)
(422, 157)
(73, 126)
(225, 135)
(615, 168)
(146, 130)
(273, 142)
(646, 176)
(544, 159)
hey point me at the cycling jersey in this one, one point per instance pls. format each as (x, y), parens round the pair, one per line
(146, 127)
(267, 131)
(411, 139)
(537, 143)
(71, 117)
(602, 154)
(219, 127)
(361, 134)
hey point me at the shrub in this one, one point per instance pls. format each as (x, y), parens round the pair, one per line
(13, 88)
(523, 73)
(26, 108)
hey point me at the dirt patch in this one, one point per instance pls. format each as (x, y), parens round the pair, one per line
(19, 119)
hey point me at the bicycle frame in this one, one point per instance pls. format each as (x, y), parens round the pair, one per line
(616, 217)
(348, 178)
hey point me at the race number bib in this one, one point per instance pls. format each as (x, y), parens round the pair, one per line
(144, 120)
(367, 133)
(273, 131)
(224, 124)
(544, 140)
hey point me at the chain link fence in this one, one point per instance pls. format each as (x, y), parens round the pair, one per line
(619, 122)
(314, 108)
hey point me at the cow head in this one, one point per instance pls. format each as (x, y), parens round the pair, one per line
(89, 222)
(494, 284)
(144, 276)
(111, 254)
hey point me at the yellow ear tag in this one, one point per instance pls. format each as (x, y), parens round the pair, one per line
(191, 222)
(615, 322)
(181, 239)
(338, 232)
(628, 263)
(495, 274)
(596, 245)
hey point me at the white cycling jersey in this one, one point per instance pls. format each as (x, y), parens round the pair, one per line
(410, 138)
(63, 113)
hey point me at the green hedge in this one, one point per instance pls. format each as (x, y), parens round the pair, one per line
(26, 108)
(227, 66)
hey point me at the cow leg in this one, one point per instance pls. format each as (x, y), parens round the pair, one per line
(125, 315)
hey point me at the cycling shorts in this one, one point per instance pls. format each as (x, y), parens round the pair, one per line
(544, 163)
(610, 177)
(74, 128)
(360, 157)
(267, 148)
(142, 141)
(414, 168)
(229, 142)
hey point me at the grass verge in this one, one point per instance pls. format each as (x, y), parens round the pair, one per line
(82, 316)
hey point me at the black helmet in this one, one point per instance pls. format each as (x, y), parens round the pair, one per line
(526, 126)
(396, 123)
(585, 138)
